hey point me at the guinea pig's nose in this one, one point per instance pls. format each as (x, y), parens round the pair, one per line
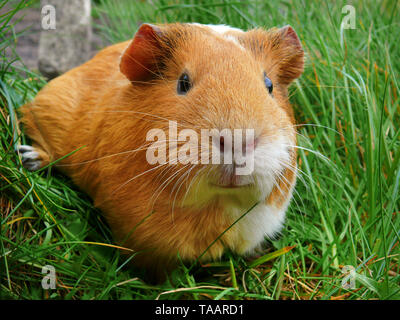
(247, 145)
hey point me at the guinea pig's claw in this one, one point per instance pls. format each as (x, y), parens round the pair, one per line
(30, 158)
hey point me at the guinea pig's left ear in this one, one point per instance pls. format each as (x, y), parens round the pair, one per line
(280, 51)
(287, 46)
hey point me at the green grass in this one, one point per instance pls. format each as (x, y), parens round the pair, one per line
(346, 208)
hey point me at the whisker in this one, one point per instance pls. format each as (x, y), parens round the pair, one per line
(137, 176)
(312, 151)
(162, 187)
(190, 126)
(141, 148)
(185, 176)
(198, 173)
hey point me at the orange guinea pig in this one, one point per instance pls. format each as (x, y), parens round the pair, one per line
(136, 116)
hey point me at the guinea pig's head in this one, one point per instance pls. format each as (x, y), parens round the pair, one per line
(220, 96)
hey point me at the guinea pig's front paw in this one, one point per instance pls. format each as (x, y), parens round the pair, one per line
(30, 157)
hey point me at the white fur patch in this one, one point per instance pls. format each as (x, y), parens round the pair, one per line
(265, 220)
(261, 222)
(221, 29)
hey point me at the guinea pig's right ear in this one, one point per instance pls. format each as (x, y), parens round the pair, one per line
(139, 62)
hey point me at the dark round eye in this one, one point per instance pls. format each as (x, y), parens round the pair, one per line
(268, 83)
(184, 84)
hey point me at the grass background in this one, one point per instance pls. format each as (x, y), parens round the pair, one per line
(346, 208)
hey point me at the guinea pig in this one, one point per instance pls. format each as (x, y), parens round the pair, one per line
(139, 102)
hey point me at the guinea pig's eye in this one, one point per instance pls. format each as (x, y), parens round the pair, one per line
(184, 84)
(268, 83)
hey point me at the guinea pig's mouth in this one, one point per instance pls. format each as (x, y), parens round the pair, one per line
(227, 179)
(232, 186)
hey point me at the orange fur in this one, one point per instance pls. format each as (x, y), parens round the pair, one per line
(96, 108)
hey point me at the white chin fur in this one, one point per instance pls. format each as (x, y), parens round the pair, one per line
(263, 220)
